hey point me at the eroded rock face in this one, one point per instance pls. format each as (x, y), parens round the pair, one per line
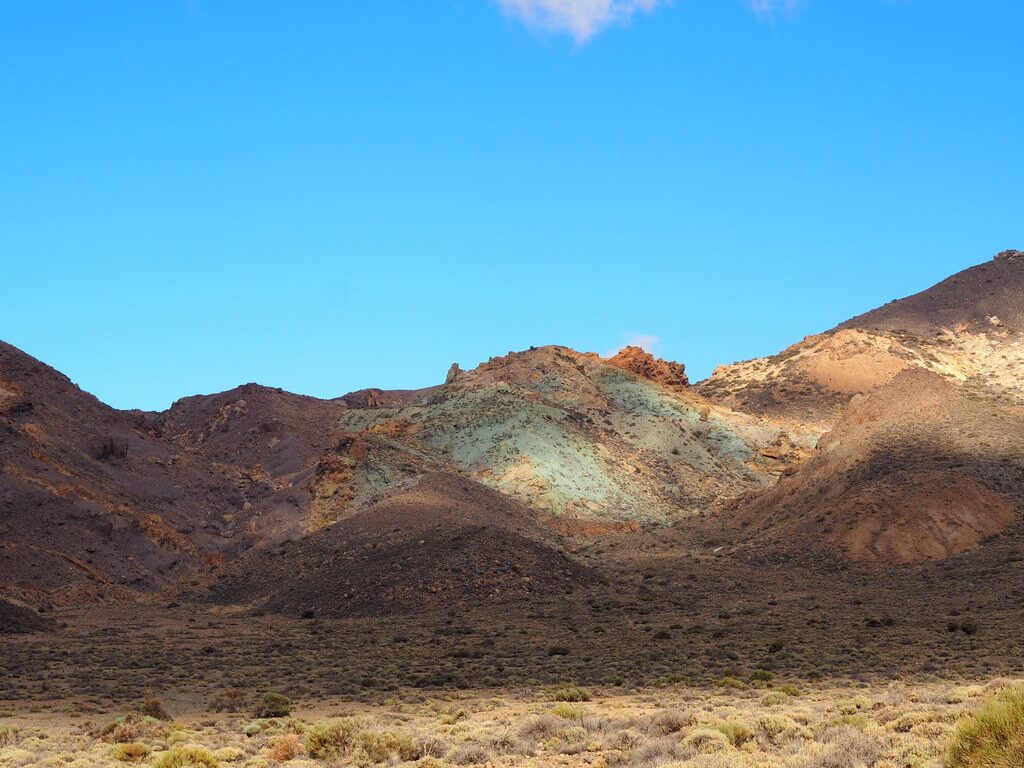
(644, 364)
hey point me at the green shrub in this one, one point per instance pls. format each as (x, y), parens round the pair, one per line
(329, 739)
(706, 740)
(567, 711)
(774, 699)
(737, 733)
(732, 682)
(8, 735)
(377, 747)
(273, 705)
(992, 738)
(571, 693)
(761, 677)
(186, 757)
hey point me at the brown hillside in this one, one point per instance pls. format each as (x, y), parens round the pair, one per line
(444, 542)
(914, 471)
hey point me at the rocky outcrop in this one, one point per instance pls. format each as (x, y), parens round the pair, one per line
(644, 364)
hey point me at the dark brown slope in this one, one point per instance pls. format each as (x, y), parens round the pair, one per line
(967, 299)
(19, 620)
(914, 471)
(98, 503)
(444, 542)
(90, 501)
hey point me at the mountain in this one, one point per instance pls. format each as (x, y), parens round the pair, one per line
(966, 329)
(887, 441)
(99, 503)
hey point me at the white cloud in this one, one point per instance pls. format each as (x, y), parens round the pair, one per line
(580, 18)
(769, 9)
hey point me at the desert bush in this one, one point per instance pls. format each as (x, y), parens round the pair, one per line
(330, 739)
(228, 700)
(774, 699)
(8, 735)
(567, 712)
(186, 757)
(541, 728)
(732, 682)
(658, 752)
(430, 745)
(285, 747)
(571, 693)
(373, 747)
(706, 739)
(273, 705)
(761, 677)
(737, 733)
(133, 752)
(993, 737)
(471, 753)
(780, 729)
(673, 721)
(860, 722)
(155, 708)
(507, 743)
(132, 728)
(844, 747)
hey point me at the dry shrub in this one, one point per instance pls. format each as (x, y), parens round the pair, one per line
(673, 721)
(704, 740)
(132, 728)
(843, 747)
(471, 753)
(155, 708)
(133, 752)
(330, 739)
(541, 728)
(430, 745)
(229, 700)
(992, 738)
(286, 747)
(658, 752)
(780, 729)
(186, 757)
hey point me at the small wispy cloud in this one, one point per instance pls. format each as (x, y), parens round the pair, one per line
(771, 9)
(580, 18)
(645, 341)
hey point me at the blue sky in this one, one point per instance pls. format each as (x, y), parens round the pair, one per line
(324, 196)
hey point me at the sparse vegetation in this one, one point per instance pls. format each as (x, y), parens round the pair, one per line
(186, 757)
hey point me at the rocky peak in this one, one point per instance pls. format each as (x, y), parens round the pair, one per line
(1008, 254)
(644, 364)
